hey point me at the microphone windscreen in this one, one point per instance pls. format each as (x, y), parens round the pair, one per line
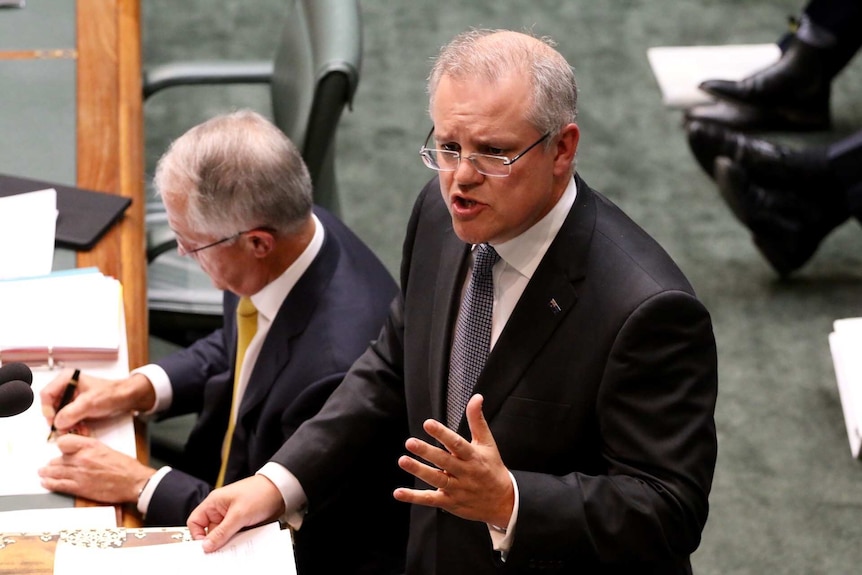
(15, 372)
(15, 397)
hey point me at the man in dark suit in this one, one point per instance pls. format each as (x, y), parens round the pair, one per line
(588, 443)
(238, 196)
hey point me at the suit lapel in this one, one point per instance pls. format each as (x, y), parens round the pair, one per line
(548, 298)
(290, 321)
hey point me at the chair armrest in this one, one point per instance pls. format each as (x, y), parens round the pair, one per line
(191, 73)
(159, 241)
(160, 237)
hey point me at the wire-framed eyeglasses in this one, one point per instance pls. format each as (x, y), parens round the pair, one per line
(486, 164)
(187, 252)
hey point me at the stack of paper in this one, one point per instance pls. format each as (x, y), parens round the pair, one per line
(845, 342)
(64, 316)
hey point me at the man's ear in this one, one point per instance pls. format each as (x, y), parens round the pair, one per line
(262, 242)
(567, 147)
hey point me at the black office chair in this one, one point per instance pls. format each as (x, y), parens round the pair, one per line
(312, 79)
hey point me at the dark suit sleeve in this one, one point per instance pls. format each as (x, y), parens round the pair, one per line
(655, 408)
(174, 499)
(370, 402)
(190, 369)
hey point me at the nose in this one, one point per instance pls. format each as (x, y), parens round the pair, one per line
(466, 172)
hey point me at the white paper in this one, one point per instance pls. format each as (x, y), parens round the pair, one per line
(845, 344)
(28, 224)
(680, 69)
(55, 520)
(266, 549)
(77, 308)
(24, 447)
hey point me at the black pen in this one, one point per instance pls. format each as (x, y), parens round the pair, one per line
(68, 394)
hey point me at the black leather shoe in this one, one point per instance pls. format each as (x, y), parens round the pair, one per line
(787, 225)
(748, 118)
(792, 94)
(769, 164)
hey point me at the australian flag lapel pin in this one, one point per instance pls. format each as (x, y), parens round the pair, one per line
(555, 307)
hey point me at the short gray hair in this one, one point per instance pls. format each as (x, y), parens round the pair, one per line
(492, 54)
(239, 172)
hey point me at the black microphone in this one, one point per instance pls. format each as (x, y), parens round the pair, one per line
(15, 397)
(15, 372)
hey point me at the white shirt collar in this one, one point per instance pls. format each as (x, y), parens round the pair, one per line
(525, 252)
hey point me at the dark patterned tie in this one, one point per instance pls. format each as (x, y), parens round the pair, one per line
(472, 335)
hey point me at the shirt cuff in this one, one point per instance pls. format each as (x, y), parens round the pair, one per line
(502, 538)
(161, 384)
(150, 488)
(291, 491)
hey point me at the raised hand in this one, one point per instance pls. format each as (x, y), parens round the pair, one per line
(470, 478)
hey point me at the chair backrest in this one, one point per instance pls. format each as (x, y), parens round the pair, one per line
(315, 75)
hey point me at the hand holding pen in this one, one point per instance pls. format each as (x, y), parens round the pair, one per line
(73, 398)
(66, 398)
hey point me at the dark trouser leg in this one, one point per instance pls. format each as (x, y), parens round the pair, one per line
(842, 21)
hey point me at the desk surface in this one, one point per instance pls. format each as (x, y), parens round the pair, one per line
(33, 553)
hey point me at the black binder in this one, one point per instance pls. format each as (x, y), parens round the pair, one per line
(83, 215)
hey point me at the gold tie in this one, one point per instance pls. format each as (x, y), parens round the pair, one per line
(246, 326)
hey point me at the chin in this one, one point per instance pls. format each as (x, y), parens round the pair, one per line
(470, 235)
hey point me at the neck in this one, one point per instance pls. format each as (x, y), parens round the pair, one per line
(287, 248)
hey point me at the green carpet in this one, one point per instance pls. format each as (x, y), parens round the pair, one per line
(784, 498)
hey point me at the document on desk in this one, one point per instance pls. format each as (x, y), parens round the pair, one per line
(23, 438)
(24, 447)
(264, 549)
